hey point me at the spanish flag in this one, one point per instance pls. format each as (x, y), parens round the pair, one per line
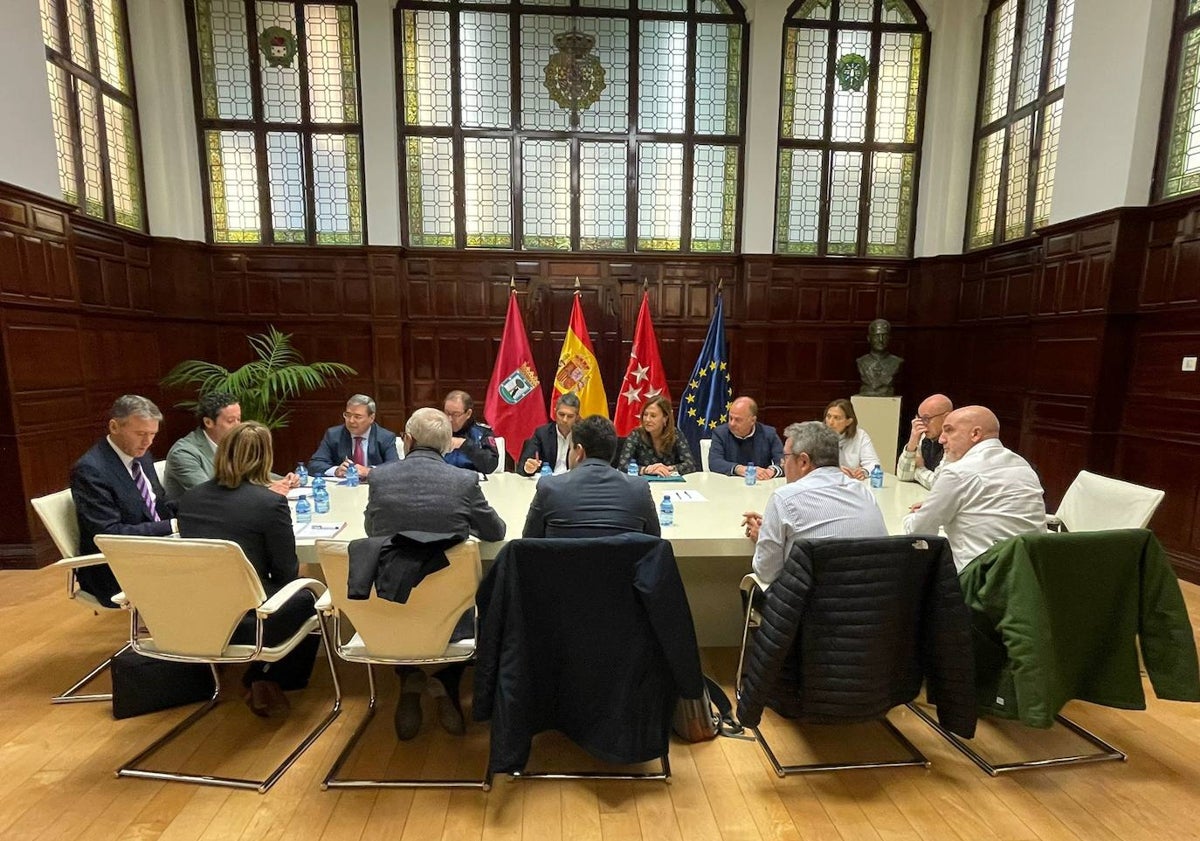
(577, 369)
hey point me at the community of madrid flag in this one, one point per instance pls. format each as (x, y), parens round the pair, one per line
(514, 396)
(705, 403)
(577, 369)
(644, 378)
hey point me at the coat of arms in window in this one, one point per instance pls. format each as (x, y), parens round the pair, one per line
(278, 46)
(574, 77)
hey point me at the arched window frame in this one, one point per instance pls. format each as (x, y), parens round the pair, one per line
(516, 135)
(869, 147)
(1045, 114)
(101, 174)
(1181, 108)
(206, 89)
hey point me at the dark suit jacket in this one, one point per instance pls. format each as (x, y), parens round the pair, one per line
(543, 444)
(591, 500)
(253, 517)
(424, 493)
(107, 501)
(727, 451)
(337, 446)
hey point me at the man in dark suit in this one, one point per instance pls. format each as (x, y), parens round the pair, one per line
(551, 442)
(425, 493)
(116, 489)
(745, 441)
(593, 498)
(359, 442)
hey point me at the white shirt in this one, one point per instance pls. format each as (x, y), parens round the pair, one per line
(127, 460)
(564, 447)
(988, 495)
(857, 451)
(825, 503)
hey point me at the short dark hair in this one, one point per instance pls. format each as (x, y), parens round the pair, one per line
(210, 405)
(459, 394)
(598, 437)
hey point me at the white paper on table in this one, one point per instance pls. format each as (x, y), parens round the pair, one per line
(686, 496)
(317, 530)
(294, 494)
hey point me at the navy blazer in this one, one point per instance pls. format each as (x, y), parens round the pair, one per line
(593, 499)
(542, 444)
(107, 501)
(337, 446)
(727, 451)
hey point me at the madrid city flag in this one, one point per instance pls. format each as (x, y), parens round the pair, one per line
(644, 378)
(577, 369)
(514, 396)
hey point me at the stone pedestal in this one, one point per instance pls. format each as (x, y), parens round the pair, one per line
(880, 417)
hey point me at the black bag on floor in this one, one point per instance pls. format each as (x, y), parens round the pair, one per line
(706, 717)
(143, 685)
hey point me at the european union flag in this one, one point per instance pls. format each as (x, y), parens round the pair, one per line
(706, 399)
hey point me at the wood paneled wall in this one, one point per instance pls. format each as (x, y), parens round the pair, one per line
(1074, 338)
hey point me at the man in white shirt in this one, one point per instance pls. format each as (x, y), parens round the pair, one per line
(984, 492)
(818, 501)
(922, 457)
(551, 442)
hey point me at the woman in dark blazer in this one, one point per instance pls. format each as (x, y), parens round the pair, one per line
(237, 505)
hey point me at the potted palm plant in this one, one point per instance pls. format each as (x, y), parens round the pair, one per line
(264, 385)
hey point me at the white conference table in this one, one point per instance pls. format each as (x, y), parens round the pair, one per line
(709, 541)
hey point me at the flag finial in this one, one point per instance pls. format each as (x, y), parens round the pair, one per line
(512, 284)
(645, 284)
(720, 283)
(576, 283)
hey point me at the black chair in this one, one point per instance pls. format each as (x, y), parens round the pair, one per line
(592, 637)
(850, 629)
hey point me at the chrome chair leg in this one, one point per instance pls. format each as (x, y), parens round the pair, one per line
(915, 757)
(132, 769)
(69, 697)
(1108, 753)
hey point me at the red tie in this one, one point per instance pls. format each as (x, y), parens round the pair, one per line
(358, 452)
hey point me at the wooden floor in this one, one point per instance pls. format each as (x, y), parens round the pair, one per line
(56, 765)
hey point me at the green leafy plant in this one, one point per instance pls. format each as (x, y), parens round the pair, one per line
(264, 385)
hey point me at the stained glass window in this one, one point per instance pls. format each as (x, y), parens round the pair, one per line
(850, 126)
(569, 125)
(1026, 44)
(1178, 170)
(280, 123)
(95, 113)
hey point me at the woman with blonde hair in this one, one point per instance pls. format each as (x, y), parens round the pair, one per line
(856, 451)
(237, 505)
(657, 446)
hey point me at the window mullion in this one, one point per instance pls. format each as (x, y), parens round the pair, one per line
(869, 147)
(266, 223)
(458, 146)
(307, 130)
(689, 140)
(826, 201)
(631, 166)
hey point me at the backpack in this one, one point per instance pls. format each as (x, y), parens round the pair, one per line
(706, 717)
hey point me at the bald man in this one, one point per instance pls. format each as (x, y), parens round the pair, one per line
(922, 455)
(985, 492)
(745, 441)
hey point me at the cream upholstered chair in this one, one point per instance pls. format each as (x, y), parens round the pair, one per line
(500, 451)
(57, 513)
(187, 598)
(1098, 503)
(388, 633)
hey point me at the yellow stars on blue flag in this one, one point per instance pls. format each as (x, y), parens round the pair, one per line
(709, 392)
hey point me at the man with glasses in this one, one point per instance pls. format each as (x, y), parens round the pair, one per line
(921, 459)
(473, 445)
(359, 443)
(819, 500)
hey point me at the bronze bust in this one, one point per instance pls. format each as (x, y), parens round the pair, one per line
(878, 368)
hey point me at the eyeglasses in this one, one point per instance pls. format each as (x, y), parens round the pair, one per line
(352, 416)
(456, 415)
(928, 418)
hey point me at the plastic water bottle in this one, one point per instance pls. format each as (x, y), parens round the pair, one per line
(666, 512)
(877, 477)
(303, 511)
(546, 470)
(319, 482)
(751, 474)
(320, 498)
(351, 476)
(633, 468)
(302, 474)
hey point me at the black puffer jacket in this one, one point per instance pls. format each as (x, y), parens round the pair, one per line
(852, 627)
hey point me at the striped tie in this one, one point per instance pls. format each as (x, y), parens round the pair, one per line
(144, 489)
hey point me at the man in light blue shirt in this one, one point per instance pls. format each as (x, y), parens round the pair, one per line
(818, 501)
